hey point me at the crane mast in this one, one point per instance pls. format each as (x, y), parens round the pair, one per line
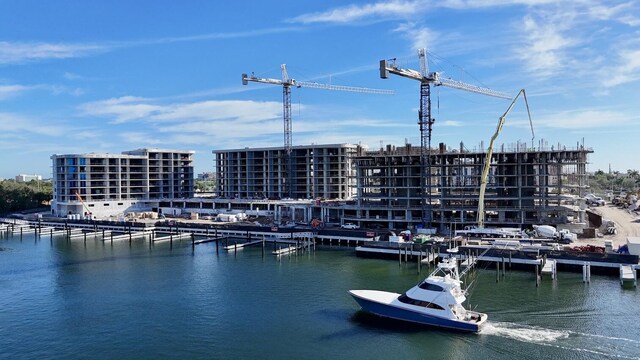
(487, 162)
(426, 121)
(286, 84)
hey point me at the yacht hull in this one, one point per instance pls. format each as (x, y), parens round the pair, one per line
(380, 305)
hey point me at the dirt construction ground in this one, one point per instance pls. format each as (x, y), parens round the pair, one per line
(627, 224)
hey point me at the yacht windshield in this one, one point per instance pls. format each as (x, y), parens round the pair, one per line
(407, 300)
(431, 287)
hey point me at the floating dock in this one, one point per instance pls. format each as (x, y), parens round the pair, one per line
(290, 249)
(549, 268)
(87, 235)
(130, 236)
(239, 246)
(525, 256)
(628, 274)
(173, 237)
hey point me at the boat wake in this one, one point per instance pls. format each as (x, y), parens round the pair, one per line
(604, 346)
(523, 333)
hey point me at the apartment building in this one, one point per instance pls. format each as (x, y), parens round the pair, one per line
(109, 184)
(319, 171)
(27, 178)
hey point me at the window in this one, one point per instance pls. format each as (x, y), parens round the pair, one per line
(431, 287)
(106, 204)
(120, 204)
(407, 300)
(90, 205)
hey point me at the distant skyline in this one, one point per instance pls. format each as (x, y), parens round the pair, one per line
(78, 77)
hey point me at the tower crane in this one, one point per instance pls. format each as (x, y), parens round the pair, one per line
(425, 121)
(286, 82)
(487, 162)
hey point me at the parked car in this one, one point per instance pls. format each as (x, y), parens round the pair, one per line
(596, 201)
(351, 226)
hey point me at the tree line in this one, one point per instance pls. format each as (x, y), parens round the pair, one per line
(616, 181)
(17, 197)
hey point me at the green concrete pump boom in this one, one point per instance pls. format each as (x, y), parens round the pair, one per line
(487, 162)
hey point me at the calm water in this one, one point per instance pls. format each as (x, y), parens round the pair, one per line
(62, 299)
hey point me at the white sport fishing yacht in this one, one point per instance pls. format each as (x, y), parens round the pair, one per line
(437, 301)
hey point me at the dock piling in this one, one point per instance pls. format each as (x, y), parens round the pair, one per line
(586, 272)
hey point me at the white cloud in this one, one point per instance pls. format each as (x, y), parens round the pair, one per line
(625, 70)
(545, 46)
(7, 91)
(129, 108)
(122, 109)
(624, 13)
(15, 123)
(420, 36)
(232, 110)
(477, 4)
(398, 9)
(20, 52)
(453, 123)
(385, 9)
(584, 119)
(24, 52)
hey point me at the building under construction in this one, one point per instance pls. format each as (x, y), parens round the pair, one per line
(319, 171)
(526, 185)
(382, 188)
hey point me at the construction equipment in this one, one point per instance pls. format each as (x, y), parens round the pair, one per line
(425, 120)
(287, 83)
(83, 204)
(487, 161)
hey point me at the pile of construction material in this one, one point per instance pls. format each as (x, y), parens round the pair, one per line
(231, 217)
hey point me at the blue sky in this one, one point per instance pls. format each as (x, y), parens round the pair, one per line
(109, 76)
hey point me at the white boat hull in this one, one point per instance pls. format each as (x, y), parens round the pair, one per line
(384, 304)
